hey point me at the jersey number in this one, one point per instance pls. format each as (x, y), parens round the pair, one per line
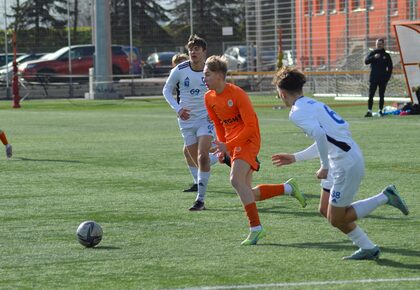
(195, 92)
(334, 115)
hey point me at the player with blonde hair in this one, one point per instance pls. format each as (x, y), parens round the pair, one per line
(238, 135)
(342, 165)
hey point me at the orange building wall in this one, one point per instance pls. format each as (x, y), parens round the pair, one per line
(312, 32)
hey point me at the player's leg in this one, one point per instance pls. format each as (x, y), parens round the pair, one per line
(382, 88)
(203, 176)
(323, 202)
(190, 153)
(348, 174)
(372, 91)
(5, 142)
(241, 179)
(204, 134)
(290, 187)
(192, 166)
(191, 142)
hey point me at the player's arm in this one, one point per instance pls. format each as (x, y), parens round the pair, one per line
(313, 129)
(248, 116)
(370, 57)
(168, 89)
(220, 130)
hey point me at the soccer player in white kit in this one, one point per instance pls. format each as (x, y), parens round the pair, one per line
(194, 123)
(342, 163)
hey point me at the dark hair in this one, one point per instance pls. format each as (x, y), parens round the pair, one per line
(195, 40)
(289, 79)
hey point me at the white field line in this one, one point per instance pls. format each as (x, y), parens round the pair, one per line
(314, 283)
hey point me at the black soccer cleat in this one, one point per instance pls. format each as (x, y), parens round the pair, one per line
(198, 205)
(193, 188)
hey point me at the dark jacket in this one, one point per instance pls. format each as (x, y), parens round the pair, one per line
(381, 68)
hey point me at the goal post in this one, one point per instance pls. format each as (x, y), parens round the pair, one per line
(408, 39)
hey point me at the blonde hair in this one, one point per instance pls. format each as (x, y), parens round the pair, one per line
(178, 58)
(216, 63)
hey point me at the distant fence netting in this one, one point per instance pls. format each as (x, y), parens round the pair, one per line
(328, 40)
(341, 85)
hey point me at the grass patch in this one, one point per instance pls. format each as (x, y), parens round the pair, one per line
(120, 163)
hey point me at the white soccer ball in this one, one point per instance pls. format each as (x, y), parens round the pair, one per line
(89, 233)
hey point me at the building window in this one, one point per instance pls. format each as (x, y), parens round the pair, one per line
(355, 4)
(393, 7)
(320, 60)
(369, 4)
(331, 6)
(307, 7)
(341, 5)
(319, 6)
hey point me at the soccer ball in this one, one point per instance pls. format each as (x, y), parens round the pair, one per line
(89, 234)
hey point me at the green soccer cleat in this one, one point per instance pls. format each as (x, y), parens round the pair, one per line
(253, 237)
(395, 200)
(365, 254)
(296, 193)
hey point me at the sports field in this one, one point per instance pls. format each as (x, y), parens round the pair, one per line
(120, 163)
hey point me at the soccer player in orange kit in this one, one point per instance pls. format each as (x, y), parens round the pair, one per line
(238, 136)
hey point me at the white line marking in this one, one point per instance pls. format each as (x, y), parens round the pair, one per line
(314, 283)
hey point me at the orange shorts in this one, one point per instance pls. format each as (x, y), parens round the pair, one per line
(248, 153)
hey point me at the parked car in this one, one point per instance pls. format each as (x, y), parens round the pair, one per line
(238, 59)
(5, 59)
(55, 66)
(6, 71)
(159, 64)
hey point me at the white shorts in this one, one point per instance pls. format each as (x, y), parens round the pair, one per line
(202, 127)
(327, 183)
(347, 174)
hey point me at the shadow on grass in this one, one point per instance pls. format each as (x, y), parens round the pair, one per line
(44, 160)
(283, 210)
(98, 248)
(395, 264)
(341, 245)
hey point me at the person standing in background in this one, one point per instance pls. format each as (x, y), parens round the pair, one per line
(381, 71)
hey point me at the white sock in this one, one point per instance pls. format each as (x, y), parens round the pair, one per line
(213, 159)
(203, 180)
(360, 239)
(287, 188)
(194, 173)
(366, 206)
(256, 228)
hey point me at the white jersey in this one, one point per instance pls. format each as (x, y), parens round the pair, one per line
(329, 131)
(191, 92)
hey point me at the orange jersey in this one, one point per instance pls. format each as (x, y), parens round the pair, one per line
(234, 118)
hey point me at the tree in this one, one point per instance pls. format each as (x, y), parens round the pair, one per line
(39, 15)
(209, 17)
(146, 16)
(76, 20)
